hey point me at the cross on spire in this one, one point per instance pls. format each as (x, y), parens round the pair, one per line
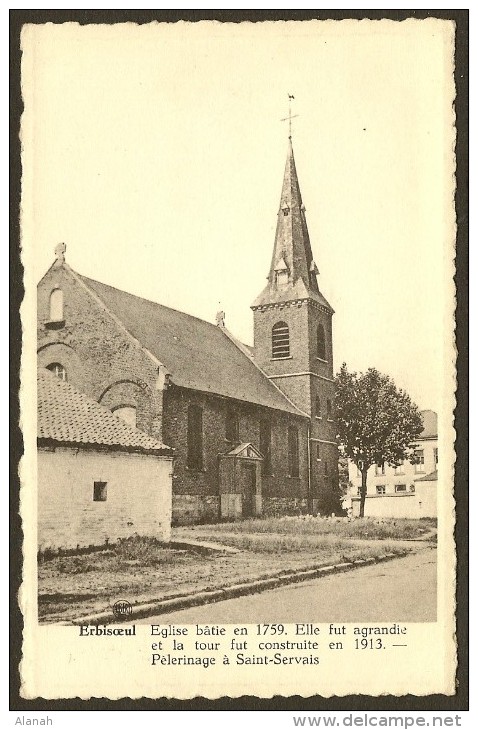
(290, 116)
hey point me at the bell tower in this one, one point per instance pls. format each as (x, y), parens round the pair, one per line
(293, 334)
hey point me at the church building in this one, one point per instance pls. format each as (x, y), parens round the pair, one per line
(252, 429)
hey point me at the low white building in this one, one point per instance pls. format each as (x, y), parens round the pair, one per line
(408, 490)
(99, 479)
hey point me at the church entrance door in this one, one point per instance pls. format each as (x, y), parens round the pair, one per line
(249, 490)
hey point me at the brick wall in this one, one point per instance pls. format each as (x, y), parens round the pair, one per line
(297, 319)
(193, 509)
(138, 497)
(303, 389)
(101, 360)
(281, 506)
(302, 319)
(206, 482)
(104, 362)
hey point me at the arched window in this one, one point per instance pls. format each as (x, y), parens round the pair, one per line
(127, 414)
(56, 306)
(232, 427)
(57, 370)
(265, 445)
(195, 455)
(318, 407)
(329, 409)
(280, 340)
(321, 342)
(293, 439)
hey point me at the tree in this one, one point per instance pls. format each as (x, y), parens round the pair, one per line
(344, 481)
(377, 422)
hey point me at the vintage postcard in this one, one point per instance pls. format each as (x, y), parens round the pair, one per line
(238, 359)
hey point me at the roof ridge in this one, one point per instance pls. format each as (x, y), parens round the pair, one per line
(187, 348)
(149, 301)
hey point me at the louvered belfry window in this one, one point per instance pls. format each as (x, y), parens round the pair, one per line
(280, 340)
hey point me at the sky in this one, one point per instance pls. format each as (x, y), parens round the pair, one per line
(156, 153)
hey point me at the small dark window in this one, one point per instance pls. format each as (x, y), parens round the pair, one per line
(232, 427)
(265, 445)
(435, 456)
(380, 489)
(293, 451)
(318, 452)
(326, 468)
(321, 342)
(329, 409)
(400, 488)
(57, 370)
(280, 340)
(99, 491)
(195, 455)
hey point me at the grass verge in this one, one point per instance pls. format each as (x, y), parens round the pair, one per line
(142, 569)
(367, 528)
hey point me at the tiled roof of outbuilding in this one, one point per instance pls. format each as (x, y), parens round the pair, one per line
(67, 416)
(197, 354)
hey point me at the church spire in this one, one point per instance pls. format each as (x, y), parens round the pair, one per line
(293, 272)
(292, 244)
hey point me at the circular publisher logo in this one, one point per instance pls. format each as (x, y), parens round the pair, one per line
(122, 609)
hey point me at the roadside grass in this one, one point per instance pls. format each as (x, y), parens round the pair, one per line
(327, 548)
(144, 552)
(366, 528)
(142, 569)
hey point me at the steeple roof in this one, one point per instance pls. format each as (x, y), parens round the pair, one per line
(293, 272)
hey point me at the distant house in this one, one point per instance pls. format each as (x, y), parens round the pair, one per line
(99, 479)
(408, 490)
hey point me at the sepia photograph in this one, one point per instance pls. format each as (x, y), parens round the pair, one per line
(238, 244)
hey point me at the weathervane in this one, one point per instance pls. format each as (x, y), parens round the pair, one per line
(290, 116)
